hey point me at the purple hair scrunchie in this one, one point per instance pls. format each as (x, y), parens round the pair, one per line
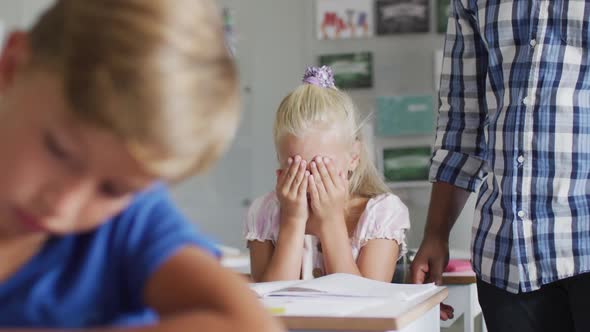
(319, 76)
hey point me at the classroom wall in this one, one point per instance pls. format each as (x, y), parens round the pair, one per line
(276, 40)
(275, 51)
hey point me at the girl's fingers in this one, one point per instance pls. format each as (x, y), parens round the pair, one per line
(325, 175)
(334, 176)
(317, 179)
(299, 177)
(292, 172)
(313, 189)
(303, 187)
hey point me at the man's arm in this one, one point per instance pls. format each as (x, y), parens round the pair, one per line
(458, 164)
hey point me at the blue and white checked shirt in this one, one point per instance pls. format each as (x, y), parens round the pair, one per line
(514, 121)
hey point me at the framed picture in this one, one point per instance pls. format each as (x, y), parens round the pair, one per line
(405, 115)
(406, 164)
(401, 16)
(344, 19)
(351, 70)
(442, 15)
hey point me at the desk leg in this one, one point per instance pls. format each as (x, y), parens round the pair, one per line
(468, 323)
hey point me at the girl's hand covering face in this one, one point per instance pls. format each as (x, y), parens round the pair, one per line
(291, 190)
(328, 188)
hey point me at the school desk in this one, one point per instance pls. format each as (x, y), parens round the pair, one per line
(418, 315)
(463, 298)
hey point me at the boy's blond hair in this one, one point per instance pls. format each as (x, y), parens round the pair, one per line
(310, 106)
(155, 73)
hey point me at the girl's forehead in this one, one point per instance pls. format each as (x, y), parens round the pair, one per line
(312, 144)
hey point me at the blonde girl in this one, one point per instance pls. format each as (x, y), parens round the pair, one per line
(330, 211)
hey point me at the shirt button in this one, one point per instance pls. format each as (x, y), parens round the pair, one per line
(521, 214)
(533, 42)
(520, 159)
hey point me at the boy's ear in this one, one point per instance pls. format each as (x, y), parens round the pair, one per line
(355, 155)
(15, 55)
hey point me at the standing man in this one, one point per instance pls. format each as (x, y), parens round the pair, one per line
(514, 122)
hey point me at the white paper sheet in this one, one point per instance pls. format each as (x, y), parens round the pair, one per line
(265, 288)
(341, 285)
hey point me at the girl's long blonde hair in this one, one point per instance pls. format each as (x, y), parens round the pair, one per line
(309, 106)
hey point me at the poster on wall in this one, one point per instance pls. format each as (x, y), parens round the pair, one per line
(351, 70)
(406, 164)
(443, 12)
(405, 115)
(344, 19)
(401, 16)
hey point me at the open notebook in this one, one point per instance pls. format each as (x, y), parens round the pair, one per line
(341, 285)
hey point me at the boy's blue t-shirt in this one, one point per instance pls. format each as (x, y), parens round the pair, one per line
(98, 278)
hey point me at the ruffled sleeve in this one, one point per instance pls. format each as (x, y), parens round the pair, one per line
(261, 222)
(385, 217)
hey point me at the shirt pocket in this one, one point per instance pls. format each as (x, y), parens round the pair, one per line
(573, 23)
